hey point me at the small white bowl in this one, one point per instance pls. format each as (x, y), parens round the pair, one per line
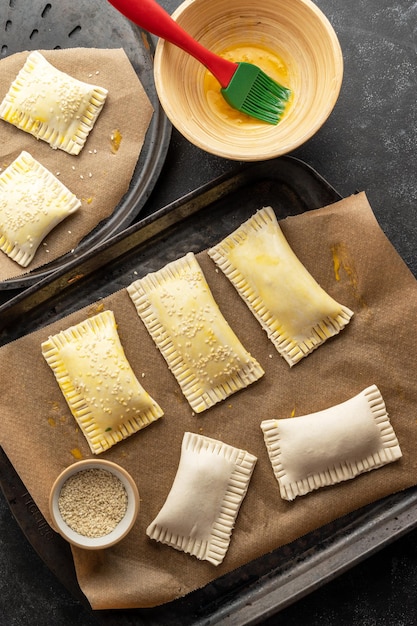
(123, 526)
(297, 32)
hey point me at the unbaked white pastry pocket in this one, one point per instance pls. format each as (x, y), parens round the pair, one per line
(330, 446)
(200, 511)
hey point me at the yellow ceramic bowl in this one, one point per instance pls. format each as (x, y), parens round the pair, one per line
(71, 516)
(294, 33)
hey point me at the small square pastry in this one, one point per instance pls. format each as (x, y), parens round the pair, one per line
(32, 202)
(202, 351)
(330, 446)
(200, 511)
(98, 383)
(52, 105)
(297, 314)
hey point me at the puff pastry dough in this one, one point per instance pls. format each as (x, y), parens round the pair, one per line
(297, 314)
(330, 446)
(98, 383)
(202, 351)
(32, 202)
(51, 105)
(200, 511)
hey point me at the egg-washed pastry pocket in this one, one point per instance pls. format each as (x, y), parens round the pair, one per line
(295, 311)
(185, 322)
(52, 105)
(200, 511)
(98, 383)
(331, 446)
(32, 202)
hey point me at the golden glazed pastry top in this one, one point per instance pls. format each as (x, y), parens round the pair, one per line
(202, 350)
(98, 383)
(52, 105)
(32, 202)
(296, 312)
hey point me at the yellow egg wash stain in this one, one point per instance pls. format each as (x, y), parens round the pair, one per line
(96, 308)
(76, 453)
(342, 261)
(336, 263)
(267, 60)
(116, 140)
(343, 264)
(52, 420)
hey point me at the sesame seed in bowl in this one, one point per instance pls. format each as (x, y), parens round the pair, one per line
(94, 503)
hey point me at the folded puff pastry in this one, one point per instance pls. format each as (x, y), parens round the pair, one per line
(32, 202)
(98, 383)
(297, 314)
(202, 351)
(52, 105)
(200, 511)
(330, 446)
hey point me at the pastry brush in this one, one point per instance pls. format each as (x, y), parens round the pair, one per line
(244, 86)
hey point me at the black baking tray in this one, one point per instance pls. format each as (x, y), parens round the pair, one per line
(41, 25)
(194, 222)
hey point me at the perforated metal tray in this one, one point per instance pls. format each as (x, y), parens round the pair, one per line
(37, 24)
(272, 582)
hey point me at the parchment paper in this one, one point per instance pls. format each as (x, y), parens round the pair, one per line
(346, 251)
(98, 176)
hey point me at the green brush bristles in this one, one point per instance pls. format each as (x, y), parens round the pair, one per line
(253, 92)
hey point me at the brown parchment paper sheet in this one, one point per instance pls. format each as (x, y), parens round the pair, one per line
(97, 176)
(346, 251)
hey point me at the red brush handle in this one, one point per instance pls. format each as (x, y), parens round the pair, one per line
(152, 17)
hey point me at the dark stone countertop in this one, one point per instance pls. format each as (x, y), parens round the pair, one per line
(369, 144)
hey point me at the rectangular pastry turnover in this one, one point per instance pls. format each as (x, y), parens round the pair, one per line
(200, 348)
(52, 105)
(294, 310)
(98, 383)
(32, 202)
(332, 445)
(200, 511)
